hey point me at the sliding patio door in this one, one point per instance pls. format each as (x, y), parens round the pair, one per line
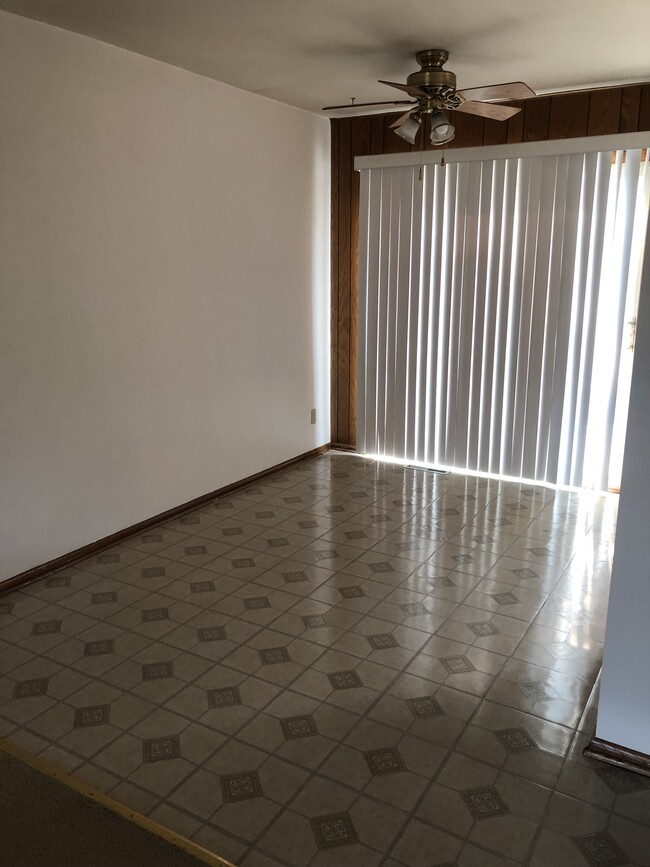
(495, 305)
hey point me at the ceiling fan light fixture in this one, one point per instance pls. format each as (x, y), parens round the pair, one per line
(410, 128)
(442, 129)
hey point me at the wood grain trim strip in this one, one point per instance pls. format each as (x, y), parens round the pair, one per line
(622, 757)
(50, 770)
(644, 108)
(80, 553)
(569, 116)
(360, 144)
(605, 111)
(537, 114)
(334, 279)
(630, 107)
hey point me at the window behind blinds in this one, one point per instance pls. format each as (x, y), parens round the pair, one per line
(494, 298)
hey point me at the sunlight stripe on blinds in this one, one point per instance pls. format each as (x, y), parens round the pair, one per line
(501, 301)
(368, 274)
(488, 290)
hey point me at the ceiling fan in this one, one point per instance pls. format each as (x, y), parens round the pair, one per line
(433, 91)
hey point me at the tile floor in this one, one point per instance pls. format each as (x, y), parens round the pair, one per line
(350, 663)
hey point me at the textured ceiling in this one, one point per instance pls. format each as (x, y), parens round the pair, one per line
(311, 53)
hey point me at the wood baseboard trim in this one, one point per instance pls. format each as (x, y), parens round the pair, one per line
(114, 538)
(342, 447)
(614, 754)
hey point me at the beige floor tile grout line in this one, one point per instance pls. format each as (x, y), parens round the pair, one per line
(406, 517)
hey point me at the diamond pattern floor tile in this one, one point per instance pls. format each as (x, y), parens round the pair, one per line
(349, 662)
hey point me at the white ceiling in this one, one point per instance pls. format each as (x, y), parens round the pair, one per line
(311, 53)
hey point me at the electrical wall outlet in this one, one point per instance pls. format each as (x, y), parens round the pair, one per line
(313, 416)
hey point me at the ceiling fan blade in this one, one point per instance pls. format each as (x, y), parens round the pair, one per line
(487, 109)
(364, 104)
(510, 90)
(407, 88)
(401, 120)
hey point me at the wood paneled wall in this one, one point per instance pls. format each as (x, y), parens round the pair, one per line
(597, 112)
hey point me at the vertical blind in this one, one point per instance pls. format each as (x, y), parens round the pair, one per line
(493, 302)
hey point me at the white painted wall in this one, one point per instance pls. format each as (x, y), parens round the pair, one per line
(164, 262)
(624, 704)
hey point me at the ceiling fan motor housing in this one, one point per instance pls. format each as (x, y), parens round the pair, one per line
(439, 84)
